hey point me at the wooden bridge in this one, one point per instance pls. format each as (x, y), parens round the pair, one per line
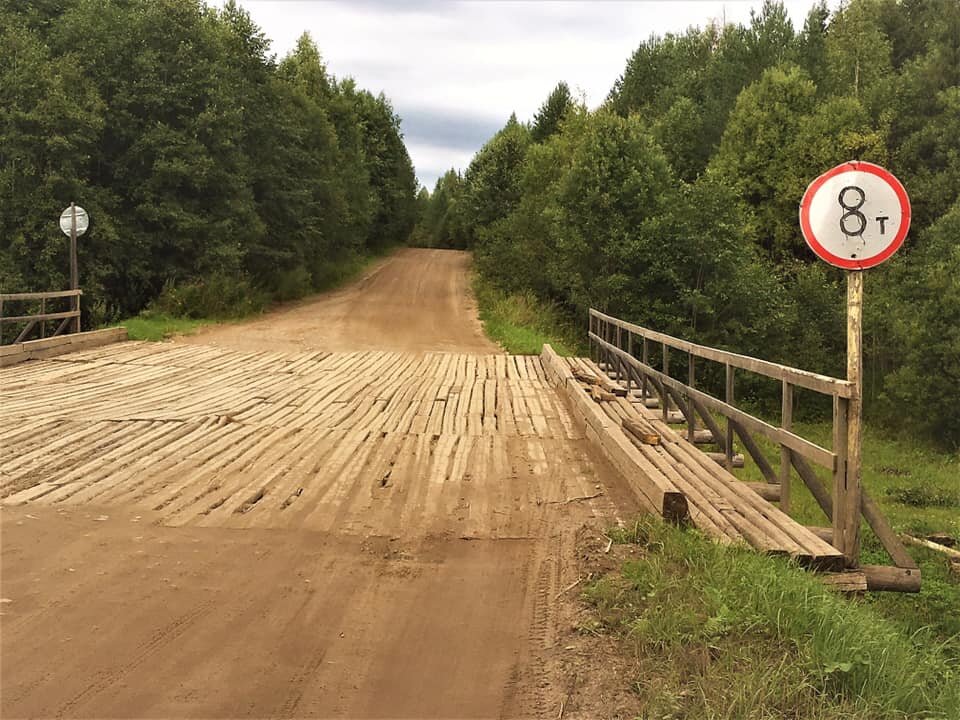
(244, 526)
(161, 411)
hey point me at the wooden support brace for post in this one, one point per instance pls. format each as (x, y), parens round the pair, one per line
(755, 452)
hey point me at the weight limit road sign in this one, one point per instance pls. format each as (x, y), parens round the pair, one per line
(855, 216)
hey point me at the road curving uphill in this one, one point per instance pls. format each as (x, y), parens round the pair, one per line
(354, 508)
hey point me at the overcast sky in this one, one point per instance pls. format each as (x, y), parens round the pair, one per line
(456, 70)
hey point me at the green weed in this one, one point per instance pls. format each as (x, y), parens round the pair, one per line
(723, 632)
(156, 327)
(522, 323)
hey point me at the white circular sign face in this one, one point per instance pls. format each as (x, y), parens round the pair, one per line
(66, 218)
(855, 216)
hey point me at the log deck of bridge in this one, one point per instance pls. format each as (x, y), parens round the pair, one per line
(359, 441)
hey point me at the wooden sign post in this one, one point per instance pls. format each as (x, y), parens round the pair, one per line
(74, 222)
(854, 216)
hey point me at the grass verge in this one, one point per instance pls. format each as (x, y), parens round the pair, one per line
(521, 323)
(156, 327)
(724, 632)
(918, 490)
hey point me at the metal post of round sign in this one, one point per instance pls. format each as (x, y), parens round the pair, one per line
(855, 216)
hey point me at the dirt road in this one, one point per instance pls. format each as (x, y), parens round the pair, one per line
(414, 300)
(200, 531)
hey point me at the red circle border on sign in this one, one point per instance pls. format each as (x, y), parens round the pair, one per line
(826, 255)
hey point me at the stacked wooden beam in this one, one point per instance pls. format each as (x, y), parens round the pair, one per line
(653, 489)
(718, 503)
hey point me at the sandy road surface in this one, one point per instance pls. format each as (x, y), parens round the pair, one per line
(199, 531)
(414, 300)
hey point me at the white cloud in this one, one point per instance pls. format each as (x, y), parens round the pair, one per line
(457, 70)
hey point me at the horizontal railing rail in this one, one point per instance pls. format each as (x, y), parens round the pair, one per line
(32, 320)
(801, 378)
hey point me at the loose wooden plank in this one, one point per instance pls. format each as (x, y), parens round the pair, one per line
(642, 431)
(767, 491)
(884, 577)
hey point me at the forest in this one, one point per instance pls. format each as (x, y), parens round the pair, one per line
(674, 204)
(217, 177)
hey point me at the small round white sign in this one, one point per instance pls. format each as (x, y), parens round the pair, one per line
(855, 216)
(66, 220)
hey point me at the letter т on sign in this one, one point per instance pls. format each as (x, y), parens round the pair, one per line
(855, 216)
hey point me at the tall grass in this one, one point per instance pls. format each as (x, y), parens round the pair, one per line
(726, 632)
(521, 323)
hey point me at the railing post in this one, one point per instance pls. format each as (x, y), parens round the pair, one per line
(840, 409)
(786, 422)
(665, 400)
(630, 353)
(691, 382)
(619, 347)
(590, 331)
(728, 398)
(43, 323)
(646, 361)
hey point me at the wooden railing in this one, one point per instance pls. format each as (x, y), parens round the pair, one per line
(67, 319)
(618, 343)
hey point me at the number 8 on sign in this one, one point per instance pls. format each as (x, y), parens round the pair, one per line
(855, 216)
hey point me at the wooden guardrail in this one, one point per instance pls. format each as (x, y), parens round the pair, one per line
(618, 343)
(68, 318)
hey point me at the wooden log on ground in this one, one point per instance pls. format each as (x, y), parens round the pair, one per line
(920, 542)
(824, 533)
(652, 403)
(675, 417)
(704, 437)
(847, 581)
(721, 458)
(768, 491)
(886, 577)
(644, 432)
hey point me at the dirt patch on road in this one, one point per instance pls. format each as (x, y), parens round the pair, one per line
(413, 301)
